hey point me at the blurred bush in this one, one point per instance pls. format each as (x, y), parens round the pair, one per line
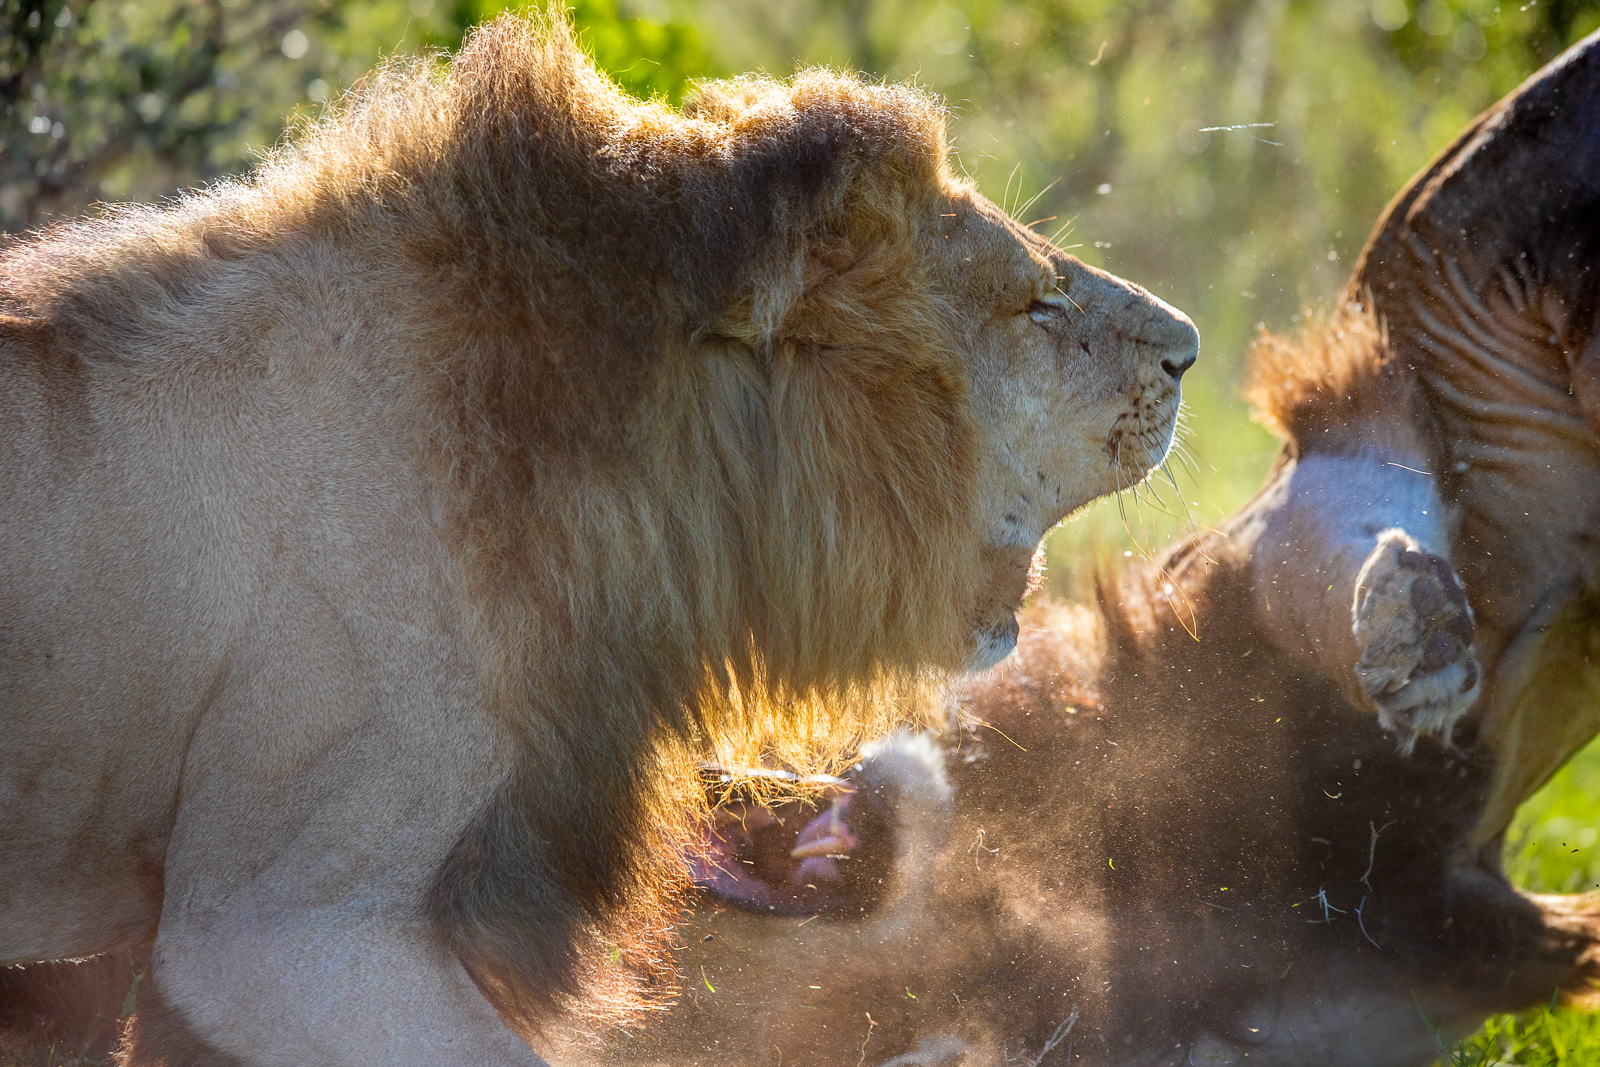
(1110, 111)
(109, 100)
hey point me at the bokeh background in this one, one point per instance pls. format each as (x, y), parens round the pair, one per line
(1230, 155)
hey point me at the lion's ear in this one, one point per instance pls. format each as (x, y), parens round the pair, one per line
(731, 99)
(1515, 201)
(835, 294)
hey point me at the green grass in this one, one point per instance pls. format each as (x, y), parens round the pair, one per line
(1542, 1038)
(1550, 848)
(1552, 845)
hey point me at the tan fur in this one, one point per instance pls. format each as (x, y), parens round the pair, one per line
(1336, 387)
(387, 527)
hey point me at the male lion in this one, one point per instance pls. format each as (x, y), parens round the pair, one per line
(380, 530)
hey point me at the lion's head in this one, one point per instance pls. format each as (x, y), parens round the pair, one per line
(1074, 377)
(1068, 376)
(860, 392)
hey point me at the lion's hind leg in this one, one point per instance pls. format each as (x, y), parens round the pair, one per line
(1350, 574)
(294, 929)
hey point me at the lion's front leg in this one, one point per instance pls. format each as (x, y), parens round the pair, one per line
(1352, 574)
(349, 986)
(294, 927)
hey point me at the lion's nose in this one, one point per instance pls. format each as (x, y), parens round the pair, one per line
(1174, 332)
(1176, 365)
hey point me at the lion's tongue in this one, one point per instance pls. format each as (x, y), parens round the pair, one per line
(825, 835)
(758, 862)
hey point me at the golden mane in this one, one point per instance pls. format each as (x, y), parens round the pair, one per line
(609, 581)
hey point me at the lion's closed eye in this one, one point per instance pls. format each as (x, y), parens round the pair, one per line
(1042, 311)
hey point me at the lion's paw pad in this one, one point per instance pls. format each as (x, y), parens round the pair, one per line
(1414, 628)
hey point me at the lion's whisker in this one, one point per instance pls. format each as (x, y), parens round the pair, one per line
(1025, 205)
(1158, 503)
(1066, 228)
(1180, 452)
(1142, 540)
(1005, 195)
(1188, 516)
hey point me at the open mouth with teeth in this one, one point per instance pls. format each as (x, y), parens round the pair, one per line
(794, 857)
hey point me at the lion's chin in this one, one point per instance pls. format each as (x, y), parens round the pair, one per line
(992, 644)
(1138, 455)
(1015, 572)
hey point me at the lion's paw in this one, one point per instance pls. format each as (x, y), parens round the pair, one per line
(1414, 628)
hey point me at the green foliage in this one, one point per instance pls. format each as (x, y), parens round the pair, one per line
(117, 100)
(1543, 1038)
(107, 100)
(653, 52)
(647, 58)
